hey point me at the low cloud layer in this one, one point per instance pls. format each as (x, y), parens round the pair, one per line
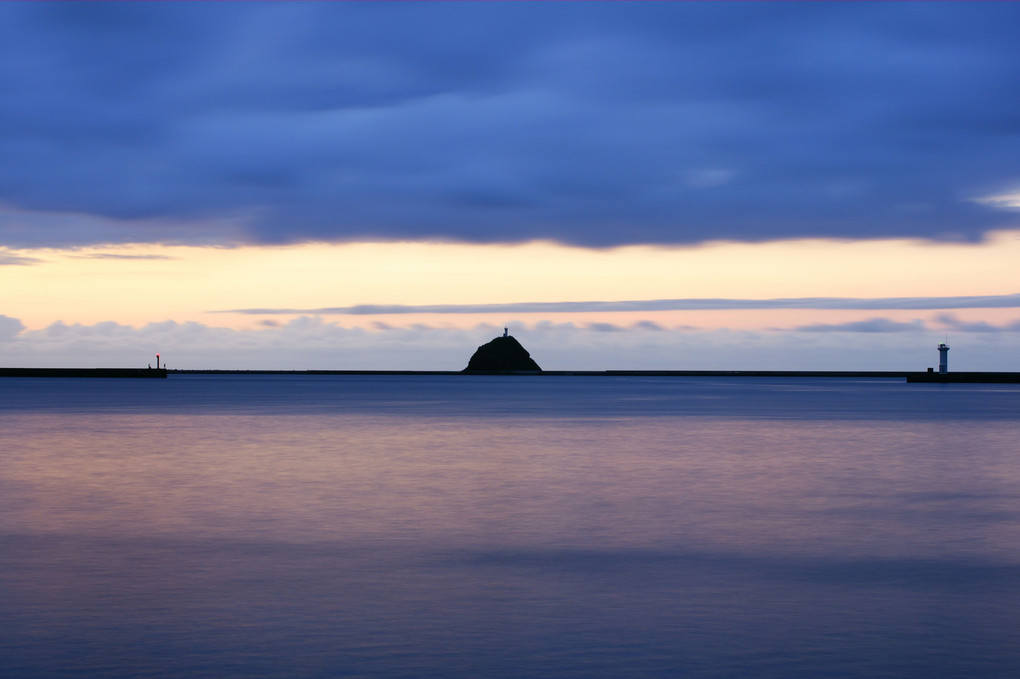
(952, 323)
(9, 328)
(868, 326)
(314, 343)
(595, 124)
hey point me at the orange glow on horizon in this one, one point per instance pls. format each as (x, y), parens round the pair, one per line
(145, 283)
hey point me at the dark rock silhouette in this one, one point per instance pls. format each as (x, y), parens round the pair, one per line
(502, 354)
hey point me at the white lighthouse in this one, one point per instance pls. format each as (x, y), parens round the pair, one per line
(943, 358)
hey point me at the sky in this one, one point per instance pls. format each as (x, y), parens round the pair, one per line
(736, 185)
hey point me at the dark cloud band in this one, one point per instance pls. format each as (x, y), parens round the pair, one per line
(120, 256)
(593, 124)
(882, 303)
(10, 259)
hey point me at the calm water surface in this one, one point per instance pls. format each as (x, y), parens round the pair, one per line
(508, 527)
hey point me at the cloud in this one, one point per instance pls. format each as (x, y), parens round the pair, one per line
(49, 228)
(596, 125)
(1005, 201)
(114, 255)
(604, 327)
(314, 343)
(638, 326)
(870, 325)
(694, 304)
(951, 322)
(9, 327)
(11, 259)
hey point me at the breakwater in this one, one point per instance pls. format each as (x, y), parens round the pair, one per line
(878, 374)
(572, 373)
(972, 377)
(149, 373)
(921, 377)
(162, 373)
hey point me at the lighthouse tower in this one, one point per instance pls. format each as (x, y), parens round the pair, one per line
(943, 358)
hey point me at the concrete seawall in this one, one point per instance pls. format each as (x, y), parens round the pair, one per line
(921, 377)
(914, 377)
(962, 377)
(148, 373)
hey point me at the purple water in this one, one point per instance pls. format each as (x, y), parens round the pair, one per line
(508, 527)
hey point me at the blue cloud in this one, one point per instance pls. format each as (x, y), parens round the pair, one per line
(870, 325)
(307, 343)
(597, 124)
(9, 327)
(604, 327)
(11, 259)
(694, 304)
(951, 322)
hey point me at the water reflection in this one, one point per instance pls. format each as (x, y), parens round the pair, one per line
(606, 544)
(722, 485)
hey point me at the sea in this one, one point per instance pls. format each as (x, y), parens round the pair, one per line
(515, 526)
